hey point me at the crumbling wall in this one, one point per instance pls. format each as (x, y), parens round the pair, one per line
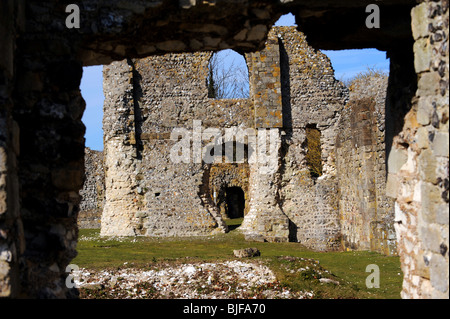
(265, 219)
(45, 177)
(290, 204)
(311, 97)
(292, 86)
(168, 197)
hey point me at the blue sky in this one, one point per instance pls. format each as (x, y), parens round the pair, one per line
(346, 64)
(92, 91)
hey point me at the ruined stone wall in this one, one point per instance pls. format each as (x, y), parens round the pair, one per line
(311, 96)
(420, 180)
(170, 92)
(367, 213)
(159, 94)
(290, 205)
(44, 147)
(93, 191)
(165, 93)
(140, 178)
(265, 219)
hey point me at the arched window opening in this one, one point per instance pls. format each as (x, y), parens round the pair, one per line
(227, 76)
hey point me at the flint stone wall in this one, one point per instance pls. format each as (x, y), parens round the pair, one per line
(367, 213)
(419, 170)
(93, 191)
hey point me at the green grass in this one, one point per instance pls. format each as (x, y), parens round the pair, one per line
(346, 267)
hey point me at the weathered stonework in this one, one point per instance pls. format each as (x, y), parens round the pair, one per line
(311, 97)
(420, 176)
(367, 213)
(93, 192)
(224, 176)
(41, 133)
(292, 86)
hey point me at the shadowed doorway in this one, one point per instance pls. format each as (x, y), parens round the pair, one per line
(235, 200)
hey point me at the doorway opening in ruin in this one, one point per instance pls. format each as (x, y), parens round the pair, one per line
(234, 206)
(228, 76)
(235, 199)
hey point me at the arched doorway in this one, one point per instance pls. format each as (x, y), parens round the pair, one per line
(235, 202)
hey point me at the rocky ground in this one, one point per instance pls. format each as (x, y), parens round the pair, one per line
(229, 279)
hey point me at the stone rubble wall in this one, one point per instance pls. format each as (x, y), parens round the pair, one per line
(367, 213)
(46, 166)
(265, 219)
(166, 92)
(93, 191)
(422, 159)
(311, 96)
(119, 152)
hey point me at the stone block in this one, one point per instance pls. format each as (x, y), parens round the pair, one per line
(422, 137)
(397, 158)
(440, 144)
(419, 20)
(392, 185)
(424, 110)
(430, 198)
(430, 238)
(439, 273)
(442, 216)
(427, 166)
(246, 252)
(428, 84)
(257, 32)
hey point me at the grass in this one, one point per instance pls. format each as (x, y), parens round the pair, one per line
(348, 268)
